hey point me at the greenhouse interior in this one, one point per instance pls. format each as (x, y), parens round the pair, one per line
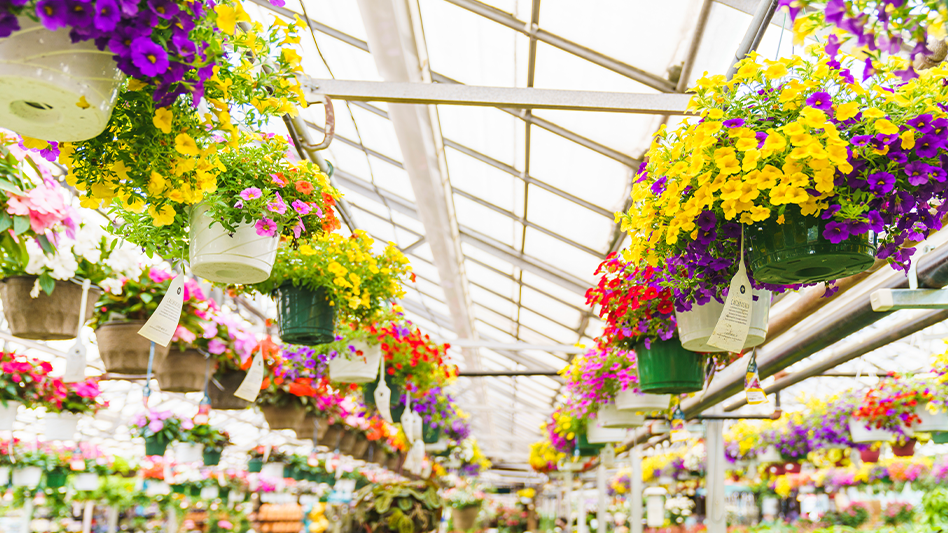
(312, 266)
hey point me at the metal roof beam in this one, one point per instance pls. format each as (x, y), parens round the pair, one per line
(399, 92)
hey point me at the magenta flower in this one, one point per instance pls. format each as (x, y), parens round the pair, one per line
(277, 205)
(302, 207)
(266, 227)
(158, 276)
(155, 426)
(216, 347)
(149, 57)
(250, 193)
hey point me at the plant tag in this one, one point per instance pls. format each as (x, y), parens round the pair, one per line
(383, 396)
(408, 424)
(163, 322)
(418, 428)
(250, 387)
(752, 389)
(76, 357)
(731, 330)
(608, 456)
(678, 430)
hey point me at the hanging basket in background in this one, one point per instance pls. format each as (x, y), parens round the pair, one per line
(465, 517)
(182, 371)
(306, 317)
(223, 398)
(796, 251)
(45, 76)
(61, 426)
(48, 317)
(396, 405)
(667, 368)
(930, 422)
(861, 433)
(155, 446)
(354, 368)
(696, 326)
(283, 416)
(596, 433)
(611, 418)
(431, 433)
(242, 257)
(906, 449)
(630, 400)
(124, 351)
(8, 415)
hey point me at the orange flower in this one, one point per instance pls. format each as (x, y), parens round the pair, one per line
(304, 187)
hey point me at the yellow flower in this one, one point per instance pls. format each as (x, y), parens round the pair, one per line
(226, 18)
(847, 111)
(185, 145)
(885, 127)
(162, 119)
(873, 112)
(292, 57)
(908, 140)
(157, 184)
(775, 70)
(164, 217)
(36, 144)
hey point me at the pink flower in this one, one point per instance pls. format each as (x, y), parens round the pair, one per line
(87, 389)
(277, 205)
(216, 347)
(298, 229)
(187, 424)
(302, 207)
(224, 524)
(250, 193)
(42, 204)
(266, 227)
(210, 330)
(158, 276)
(182, 333)
(156, 425)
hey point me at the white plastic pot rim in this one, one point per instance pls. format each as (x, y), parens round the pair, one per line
(188, 452)
(629, 400)
(695, 327)
(242, 257)
(86, 481)
(597, 434)
(28, 476)
(355, 369)
(861, 434)
(610, 417)
(930, 421)
(209, 493)
(8, 415)
(61, 426)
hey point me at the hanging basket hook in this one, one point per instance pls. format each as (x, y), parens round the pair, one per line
(330, 129)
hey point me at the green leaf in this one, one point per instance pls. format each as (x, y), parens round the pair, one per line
(20, 224)
(146, 297)
(45, 245)
(6, 222)
(9, 187)
(47, 283)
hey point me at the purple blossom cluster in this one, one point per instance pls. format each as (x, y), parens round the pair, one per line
(435, 407)
(151, 39)
(305, 362)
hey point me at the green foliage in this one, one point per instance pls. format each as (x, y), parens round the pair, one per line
(402, 507)
(213, 439)
(934, 513)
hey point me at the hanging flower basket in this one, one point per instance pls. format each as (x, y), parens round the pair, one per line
(4, 476)
(586, 448)
(613, 418)
(254, 466)
(216, 255)
(29, 476)
(940, 437)
(210, 493)
(930, 422)
(223, 398)
(52, 317)
(272, 470)
(307, 428)
(86, 481)
(353, 368)
(182, 371)
(696, 326)
(306, 317)
(629, 400)
(347, 442)
(397, 408)
(56, 479)
(465, 517)
(796, 251)
(869, 455)
(667, 368)
(862, 434)
(332, 436)
(188, 452)
(155, 446)
(360, 447)
(431, 434)
(596, 433)
(904, 450)
(211, 457)
(395, 462)
(45, 75)
(61, 426)
(792, 467)
(283, 416)
(770, 455)
(124, 351)
(8, 415)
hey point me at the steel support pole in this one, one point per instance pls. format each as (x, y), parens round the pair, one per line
(87, 510)
(601, 498)
(715, 518)
(581, 526)
(635, 490)
(569, 501)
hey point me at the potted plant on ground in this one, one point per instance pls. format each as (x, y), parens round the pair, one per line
(186, 368)
(66, 403)
(212, 441)
(158, 428)
(23, 382)
(328, 279)
(399, 507)
(268, 461)
(120, 313)
(465, 502)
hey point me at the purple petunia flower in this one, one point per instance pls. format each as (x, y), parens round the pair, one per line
(183, 44)
(165, 9)
(706, 221)
(928, 146)
(80, 14)
(939, 127)
(52, 13)
(917, 173)
(107, 15)
(820, 100)
(936, 173)
(881, 182)
(921, 123)
(734, 123)
(149, 57)
(836, 232)
(875, 221)
(834, 11)
(861, 140)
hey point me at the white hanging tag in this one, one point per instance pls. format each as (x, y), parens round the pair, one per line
(608, 456)
(419, 426)
(164, 321)
(730, 332)
(76, 356)
(383, 395)
(250, 386)
(408, 420)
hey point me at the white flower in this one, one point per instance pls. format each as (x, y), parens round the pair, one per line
(61, 265)
(35, 291)
(111, 285)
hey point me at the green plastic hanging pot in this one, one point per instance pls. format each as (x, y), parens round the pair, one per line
(254, 466)
(796, 251)
(940, 437)
(194, 491)
(179, 489)
(297, 474)
(431, 434)
(224, 493)
(212, 458)
(306, 317)
(56, 479)
(398, 409)
(667, 368)
(586, 449)
(155, 446)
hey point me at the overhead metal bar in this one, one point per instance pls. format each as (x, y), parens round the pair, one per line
(505, 373)
(511, 97)
(512, 22)
(517, 346)
(755, 32)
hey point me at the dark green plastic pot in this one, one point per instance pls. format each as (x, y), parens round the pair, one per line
(361, 482)
(155, 446)
(254, 466)
(667, 368)
(431, 434)
(179, 489)
(306, 318)
(195, 492)
(56, 479)
(587, 449)
(368, 392)
(940, 437)
(796, 251)
(297, 474)
(223, 493)
(212, 458)
(326, 478)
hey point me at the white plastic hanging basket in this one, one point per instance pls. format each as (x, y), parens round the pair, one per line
(242, 257)
(437, 447)
(29, 477)
(86, 481)
(8, 415)
(596, 433)
(61, 426)
(210, 493)
(188, 452)
(612, 418)
(658, 427)
(629, 400)
(770, 455)
(156, 488)
(862, 434)
(4, 476)
(696, 326)
(352, 368)
(930, 422)
(52, 88)
(272, 471)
